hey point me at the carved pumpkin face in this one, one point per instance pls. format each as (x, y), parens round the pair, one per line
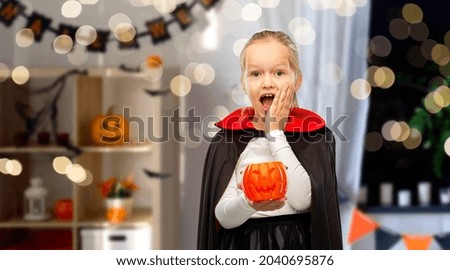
(265, 181)
(109, 130)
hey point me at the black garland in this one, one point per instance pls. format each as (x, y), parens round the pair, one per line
(157, 28)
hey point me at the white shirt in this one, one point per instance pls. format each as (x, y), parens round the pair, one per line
(234, 209)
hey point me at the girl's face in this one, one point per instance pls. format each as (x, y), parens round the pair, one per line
(267, 72)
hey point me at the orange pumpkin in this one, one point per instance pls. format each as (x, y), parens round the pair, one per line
(154, 61)
(265, 181)
(110, 130)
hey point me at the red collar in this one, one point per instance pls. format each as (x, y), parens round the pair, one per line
(300, 120)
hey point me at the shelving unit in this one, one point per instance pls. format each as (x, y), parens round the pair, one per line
(84, 97)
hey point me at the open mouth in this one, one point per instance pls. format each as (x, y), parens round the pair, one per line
(266, 100)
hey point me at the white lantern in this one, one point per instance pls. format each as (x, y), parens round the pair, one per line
(35, 206)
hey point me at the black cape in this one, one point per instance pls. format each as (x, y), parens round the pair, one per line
(314, 146)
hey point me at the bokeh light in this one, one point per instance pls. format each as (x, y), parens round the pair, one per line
(305, 35)
(330, 4)
(444, 92)
(373, 141)
(380, 46)
(124, 32)
(447, 39)
(63, 44)
(71, 9)
(238, 46)
(331, 74)
(165, 6)
(189, 71)
(360, 89)
(268, 3)
(430, 103)
(86, 35)
(20, 75)
(3, 165)
(180, 85)
(88, 2)
(60, 164)
(297, 22)
(384, 77)
(370, 75)
(426, 48)
(440, 54)
(79, 55)
(419, 31)
(251, 12)
(386, 130)
(447, 146)
(414, 139)
(345, 8)
(399, 29)
(412, 13)
(231, 9)
(4, 72)
(405, 131)
(117, 19)
(87, 180)
(13, 167)
(76, 173)
(24, 37)
(204, 74)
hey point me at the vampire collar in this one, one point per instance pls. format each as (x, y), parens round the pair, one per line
(300, 120)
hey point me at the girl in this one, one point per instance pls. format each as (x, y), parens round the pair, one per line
(273, 129)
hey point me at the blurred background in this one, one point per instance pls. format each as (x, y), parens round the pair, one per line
(377, 71)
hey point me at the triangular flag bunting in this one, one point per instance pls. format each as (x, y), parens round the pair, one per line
(443, 240)
(360, 226)
(417, 242)
(384, 240)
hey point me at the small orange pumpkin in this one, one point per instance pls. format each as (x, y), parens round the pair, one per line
(265, 181)
(154, 61)
(110, 129)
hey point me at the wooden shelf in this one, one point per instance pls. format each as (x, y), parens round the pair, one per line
(139, 218)
(19, 222)
(132, 148)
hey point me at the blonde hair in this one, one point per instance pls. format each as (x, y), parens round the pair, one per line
(284, 39)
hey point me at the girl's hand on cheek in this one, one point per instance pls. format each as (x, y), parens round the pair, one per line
(277, 115)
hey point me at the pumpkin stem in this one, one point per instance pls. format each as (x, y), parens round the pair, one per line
(110, 110)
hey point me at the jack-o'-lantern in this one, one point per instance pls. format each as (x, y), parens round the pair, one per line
(265, 181)
(110, 129)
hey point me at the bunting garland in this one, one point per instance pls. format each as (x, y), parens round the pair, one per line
(157, 28)
(361, 225)
(385, 240)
